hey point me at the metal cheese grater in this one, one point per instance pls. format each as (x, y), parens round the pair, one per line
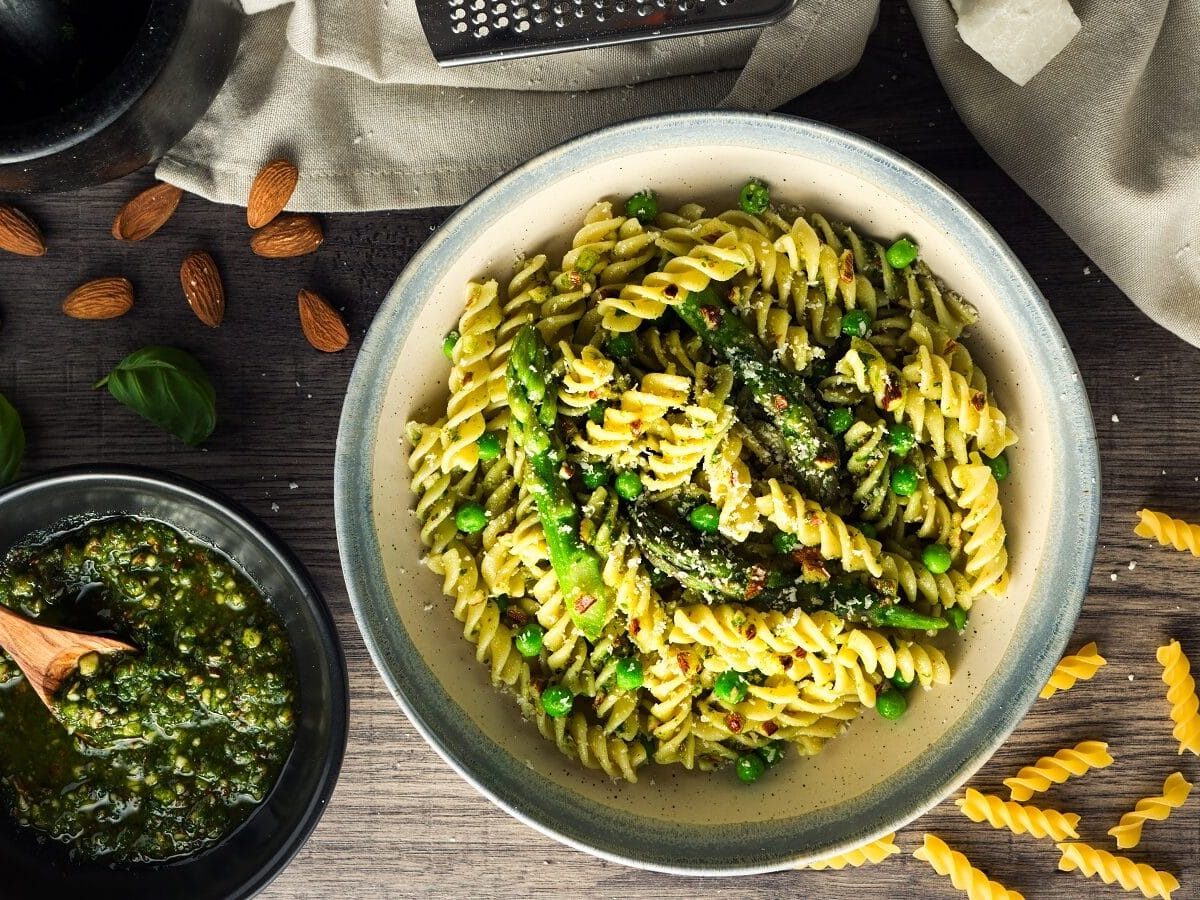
(472, 31)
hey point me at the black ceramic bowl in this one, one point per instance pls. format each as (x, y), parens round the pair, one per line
(94, 90)
(258, 850)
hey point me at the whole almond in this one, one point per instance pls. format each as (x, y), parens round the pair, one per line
(286, 236)
(103, 298)
(146, 213)
(19, 234)
(202, 286)
(322, 325)
(271, 191)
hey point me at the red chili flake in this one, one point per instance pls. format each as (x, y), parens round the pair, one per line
(779, 402)
(636, 425)
(813, 519)
(584, 603)
(751, 632)
(684, 663)
(566, 470)
(811, 561)
(846, 271)
(769, 728)
(786, 662)
(758, 580)
(891, 392)
(735, 722)
(517, 616)
(671, 290)
(826, 461)
(951, 343)
(575, 278)
(711, 316)
(538, 685)
(468, 376)
(978, 400)
(592, 395)
(799, 653)
(634, 627)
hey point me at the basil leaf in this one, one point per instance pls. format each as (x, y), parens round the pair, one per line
(168, 387)
(12, 441)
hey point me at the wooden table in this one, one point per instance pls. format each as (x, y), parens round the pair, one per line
(401, 822)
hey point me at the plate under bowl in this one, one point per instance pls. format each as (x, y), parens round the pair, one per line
(262, 846)
(878, 776)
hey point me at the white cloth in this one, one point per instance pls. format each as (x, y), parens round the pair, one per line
(1105, 138)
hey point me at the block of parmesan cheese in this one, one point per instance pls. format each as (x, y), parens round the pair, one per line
(1018, 37)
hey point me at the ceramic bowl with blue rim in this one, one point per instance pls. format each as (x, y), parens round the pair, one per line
(880, 774)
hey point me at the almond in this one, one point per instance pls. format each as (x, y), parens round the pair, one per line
(146, 213)
(103, 298)
(19, 234)
(271, 191)
(322, 325)
(202, 286)
(292, 235)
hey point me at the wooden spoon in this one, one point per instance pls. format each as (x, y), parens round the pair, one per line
(47, 656)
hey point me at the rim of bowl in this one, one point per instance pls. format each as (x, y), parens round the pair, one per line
(1017, 686)
(196, 494)
(117, 91)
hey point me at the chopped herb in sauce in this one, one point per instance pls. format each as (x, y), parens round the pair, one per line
(158, 754)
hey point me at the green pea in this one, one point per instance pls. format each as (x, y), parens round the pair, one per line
(620, 346)
(771, 753)
(957, 617)
(750, 767)
(901, 682)
(891, 704)
(557, 701)
(840, 420)
(595, 474)
(628, 486)
(901, 438)
(629, 673)
(470, 518)
(705, 517)
(999, 467)
(643, 206)
(905, 480)
(784, 542)
(856, 323)
(489, 446)
(754, 197)
(730, 687)
(595, 413)
(902, 253)
(936, 558)
(529, 639)
(868, 529)
(448, 343)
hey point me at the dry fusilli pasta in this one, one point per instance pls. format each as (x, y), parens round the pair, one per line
(964, 876)
(1128, 831)
(1016, 818)
(1050, 770)
(1092, 862)
(873, 852)
(1181, 694)
(1081, 666)
(1167, 531)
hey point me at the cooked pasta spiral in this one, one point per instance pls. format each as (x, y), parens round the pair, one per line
(964, 876)
(1017, 818)
(962, 397)
(873, 852)
(1167, 531)
(1128, 831)
(1093, 862)
(1081, 666)
(1181, 694)
(1051, 770)
(987, 557)
(785, 508)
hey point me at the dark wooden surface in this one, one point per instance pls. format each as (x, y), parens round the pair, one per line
(401, 822)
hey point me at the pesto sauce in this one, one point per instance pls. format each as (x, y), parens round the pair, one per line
(158, 754)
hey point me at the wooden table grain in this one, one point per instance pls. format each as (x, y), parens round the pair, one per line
(401, 823)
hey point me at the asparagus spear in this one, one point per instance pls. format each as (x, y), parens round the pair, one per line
(812, 454)
(718, 569)
(576, 565)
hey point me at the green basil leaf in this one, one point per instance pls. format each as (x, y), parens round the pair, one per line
(12, 441)
(168, 387)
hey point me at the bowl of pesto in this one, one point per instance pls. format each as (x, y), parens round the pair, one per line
(197, 764)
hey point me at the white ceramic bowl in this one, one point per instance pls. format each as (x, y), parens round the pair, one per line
(878, 776)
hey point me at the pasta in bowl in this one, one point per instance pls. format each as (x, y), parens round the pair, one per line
(700, 484)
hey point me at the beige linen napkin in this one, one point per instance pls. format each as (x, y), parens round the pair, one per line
(350, 91)
(1106, 138)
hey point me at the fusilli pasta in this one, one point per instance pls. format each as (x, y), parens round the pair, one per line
(964, 876)
(1092, 862)
(1050, 770)
(1181, 694)
(1016, 818)
(1167, 531)
(1081, 666)
(873, 852)
(1128, 831)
